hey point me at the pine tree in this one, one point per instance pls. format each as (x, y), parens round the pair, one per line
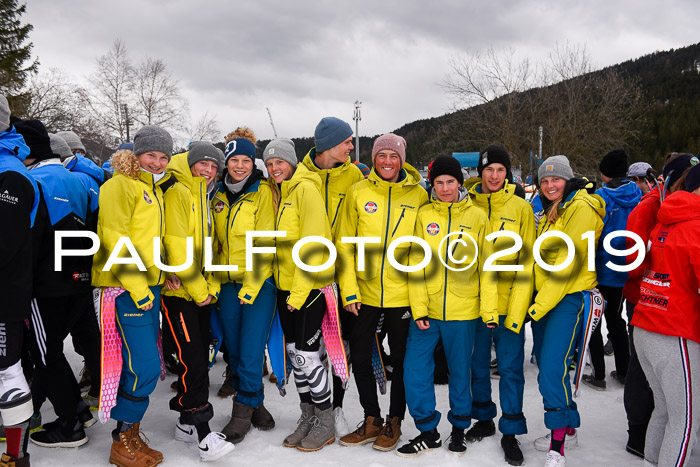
(15, 52)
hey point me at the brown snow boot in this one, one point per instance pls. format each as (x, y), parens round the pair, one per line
(239, 425)
(226, 390)
(367, 432)
(389, 436)
(133, 451)
(303, 426)
(322, 431)
(9, 461)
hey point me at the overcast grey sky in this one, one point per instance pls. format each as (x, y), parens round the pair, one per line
(309, 59)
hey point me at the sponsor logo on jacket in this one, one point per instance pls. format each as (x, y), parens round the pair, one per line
(433, 228)
(371, 207)
(8, 198)
(218, 207)
(147, 198)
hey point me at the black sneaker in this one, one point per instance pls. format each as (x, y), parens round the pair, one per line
(597, 384)
(424, 442)
(480, 430)
(58, 435)
(618, 378)
(511, 448)
(458, 444)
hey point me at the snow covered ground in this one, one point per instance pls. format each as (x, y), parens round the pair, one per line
(602, 436)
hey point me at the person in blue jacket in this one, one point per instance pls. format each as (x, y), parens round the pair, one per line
(19, 200)
(86, 332)
(621, 195)
(60, 298)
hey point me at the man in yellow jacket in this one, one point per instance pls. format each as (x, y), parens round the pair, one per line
(506, 211)
(330, 160)
(384, 206)
(447, 299)
(189, 293)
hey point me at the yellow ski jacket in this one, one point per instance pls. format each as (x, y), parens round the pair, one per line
(377, 208)
(334, 185)
(438, 292)
(301, 214)
(233, 217)
(131, 206)
(580, 213)
(507, 211)
(187, 215)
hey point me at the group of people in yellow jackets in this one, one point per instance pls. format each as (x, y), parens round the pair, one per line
(172, 198)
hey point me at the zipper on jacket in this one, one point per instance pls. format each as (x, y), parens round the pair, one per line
(444, 291)
(386, 239)
(160, 228)
(399, 222)
(228, 229)
(337, 209)
(204, 236)
(489, 199)
(328, 177)
(279, 218)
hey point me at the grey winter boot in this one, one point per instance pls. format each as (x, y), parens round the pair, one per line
(239, 425)
(303, 426)
(322, 432)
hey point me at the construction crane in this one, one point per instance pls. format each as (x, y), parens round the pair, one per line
(271, 122)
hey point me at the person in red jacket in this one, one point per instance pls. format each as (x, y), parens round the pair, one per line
(638, 399)
(667, 321)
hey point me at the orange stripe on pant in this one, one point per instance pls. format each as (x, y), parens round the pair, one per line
(179, 349)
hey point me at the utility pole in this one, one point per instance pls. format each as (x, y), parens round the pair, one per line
(357, 117)
(271, 122)
(127, 123)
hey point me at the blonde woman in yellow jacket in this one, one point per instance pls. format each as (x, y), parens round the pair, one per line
(447, 304)
(300, 303)
(243, 202)
(131, 206)
(495, 196)
(188, 294)
(385, 205)
(558, 308)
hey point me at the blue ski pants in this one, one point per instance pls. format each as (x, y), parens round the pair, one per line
(140, 357)
(419, 367)
(246, 328)
(556, 334)
(510, 354)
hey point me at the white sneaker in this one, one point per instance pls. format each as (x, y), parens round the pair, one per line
(554, 459)
(341, 425)
(214, 446)
(186, 433)
(543, 443)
